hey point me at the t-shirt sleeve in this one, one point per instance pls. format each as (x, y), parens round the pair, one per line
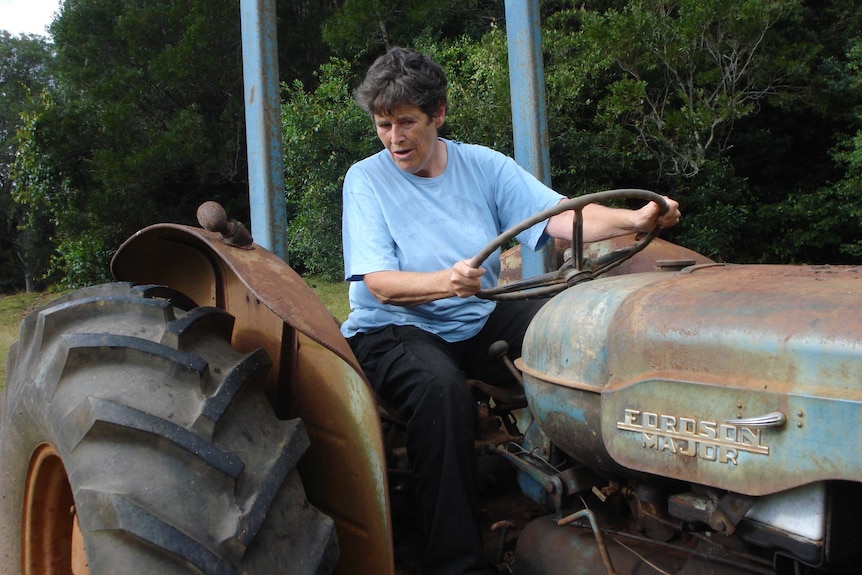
(367, 243)
(521, 195)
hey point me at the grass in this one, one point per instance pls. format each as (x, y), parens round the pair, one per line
(14, 307)
(333, 294)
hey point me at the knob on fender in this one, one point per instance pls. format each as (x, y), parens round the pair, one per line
(213, 218)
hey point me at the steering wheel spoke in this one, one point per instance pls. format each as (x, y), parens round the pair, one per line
(537, 286)
(576, 269)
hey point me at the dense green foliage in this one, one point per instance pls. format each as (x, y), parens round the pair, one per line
(323, 134)
(744, 110)
(747, 111)
(25, 71)
(144, 125)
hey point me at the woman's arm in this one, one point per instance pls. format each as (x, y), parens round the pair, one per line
(414, 288)
(601, 222)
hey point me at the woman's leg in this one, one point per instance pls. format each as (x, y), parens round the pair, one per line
(419, 374)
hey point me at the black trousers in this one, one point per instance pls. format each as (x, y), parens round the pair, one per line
(424, 378)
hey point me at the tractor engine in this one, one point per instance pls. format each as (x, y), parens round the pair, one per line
(709, 417)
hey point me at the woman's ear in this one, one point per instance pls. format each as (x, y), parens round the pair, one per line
(440, 116)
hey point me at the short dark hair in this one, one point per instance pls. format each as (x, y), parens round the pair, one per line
(402, 77)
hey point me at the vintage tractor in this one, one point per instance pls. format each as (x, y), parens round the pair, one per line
(205, 415)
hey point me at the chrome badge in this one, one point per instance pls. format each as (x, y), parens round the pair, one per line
(708, 440)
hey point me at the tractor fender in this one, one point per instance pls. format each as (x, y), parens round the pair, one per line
(314, 376)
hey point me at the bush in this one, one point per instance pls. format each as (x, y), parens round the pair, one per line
(324, 132)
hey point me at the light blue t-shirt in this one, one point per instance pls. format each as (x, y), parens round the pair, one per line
(393, 220)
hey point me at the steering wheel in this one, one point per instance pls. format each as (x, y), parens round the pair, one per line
(576, 268)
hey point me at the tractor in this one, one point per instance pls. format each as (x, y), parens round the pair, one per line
(203, 414)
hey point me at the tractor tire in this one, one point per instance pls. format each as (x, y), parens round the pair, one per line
(135, 439)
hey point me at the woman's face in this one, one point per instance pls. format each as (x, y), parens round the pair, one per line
(410, 137)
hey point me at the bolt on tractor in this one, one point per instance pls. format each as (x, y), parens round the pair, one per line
(204, 415)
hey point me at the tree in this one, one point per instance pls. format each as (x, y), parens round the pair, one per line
(324, 133)
(48, 183)
(145, 123)
(146, 120)
(849, 153)
(368, 27)
(736, 107)
(730, 106)
(825, 223)
(165, 82)
(688, 70)
(26, 64)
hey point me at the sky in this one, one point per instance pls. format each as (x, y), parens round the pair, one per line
(27, 16)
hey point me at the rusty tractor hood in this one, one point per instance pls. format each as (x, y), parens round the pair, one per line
(745, 378)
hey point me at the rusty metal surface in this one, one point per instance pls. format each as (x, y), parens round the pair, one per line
(644, 261)
(50, 535)
(545, 548)
(197, 264)
(315, 375)
(674, 358)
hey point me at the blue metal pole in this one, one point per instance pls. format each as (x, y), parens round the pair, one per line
(263, 125)
(529, 116)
